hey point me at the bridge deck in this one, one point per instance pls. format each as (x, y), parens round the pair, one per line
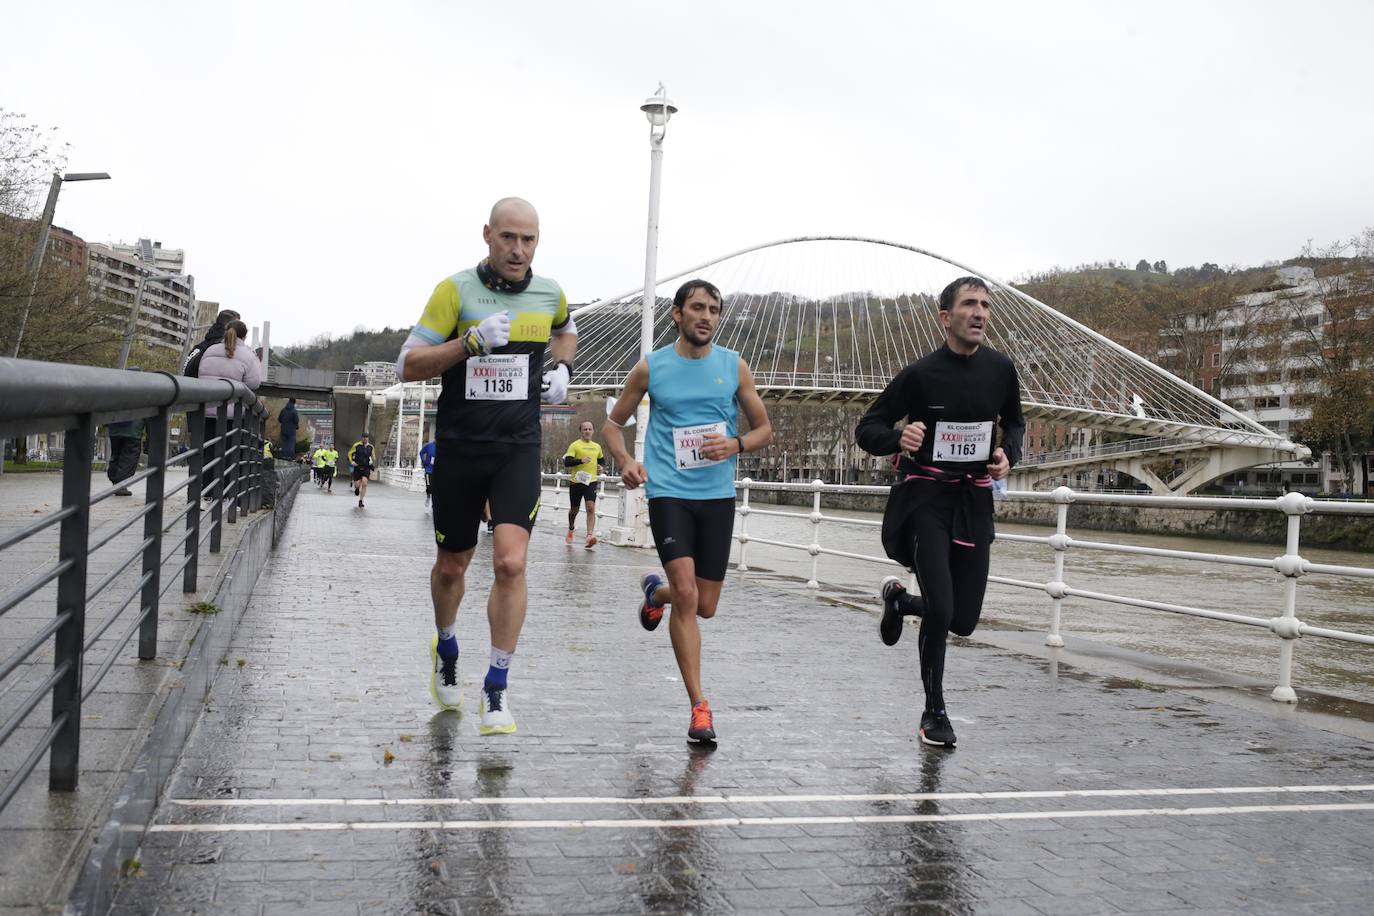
(320, 743)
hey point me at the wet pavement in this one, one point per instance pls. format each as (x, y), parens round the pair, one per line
(322, 779)
(44, 835)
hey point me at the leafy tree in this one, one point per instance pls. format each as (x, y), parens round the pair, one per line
(325, 352)
(1142, 265)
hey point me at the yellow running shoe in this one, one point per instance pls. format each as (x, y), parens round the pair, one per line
(443, 678)
(496, 717)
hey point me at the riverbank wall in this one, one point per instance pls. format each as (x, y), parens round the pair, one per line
(1337, 532)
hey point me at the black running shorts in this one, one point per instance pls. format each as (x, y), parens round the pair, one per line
(468, 474)
(580, 491)
(359, 474)
(698, 528)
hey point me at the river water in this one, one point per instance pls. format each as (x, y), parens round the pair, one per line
(1326, 665)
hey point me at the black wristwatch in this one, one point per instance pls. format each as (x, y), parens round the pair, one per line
(740, 440)
(564, 362)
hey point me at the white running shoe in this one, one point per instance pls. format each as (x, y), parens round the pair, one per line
(444, 685)
(496, 717)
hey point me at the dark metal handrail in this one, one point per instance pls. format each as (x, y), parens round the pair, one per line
(38, 397)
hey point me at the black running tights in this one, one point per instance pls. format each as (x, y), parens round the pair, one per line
(952, 579)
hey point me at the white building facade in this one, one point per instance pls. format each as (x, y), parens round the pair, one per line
(167, 306)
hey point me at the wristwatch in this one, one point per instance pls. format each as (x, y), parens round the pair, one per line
(740, 440)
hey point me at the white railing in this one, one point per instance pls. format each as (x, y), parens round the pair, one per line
(1289, 566)
(561, 481)
(1156, 443)
(407, 478)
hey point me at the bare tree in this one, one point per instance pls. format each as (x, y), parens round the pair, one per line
(1332, 342)
(67, 323)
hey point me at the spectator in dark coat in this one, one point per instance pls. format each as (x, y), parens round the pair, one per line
(290, 422)
(126, 444)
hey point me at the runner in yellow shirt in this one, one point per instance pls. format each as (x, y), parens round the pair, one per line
(331, 461)
(583, 460)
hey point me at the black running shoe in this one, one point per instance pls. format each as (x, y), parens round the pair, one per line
(936, 730)
(890, 627)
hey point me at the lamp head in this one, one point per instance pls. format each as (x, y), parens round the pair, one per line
(658, 108)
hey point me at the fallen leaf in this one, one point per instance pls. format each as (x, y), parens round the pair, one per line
(387, 757)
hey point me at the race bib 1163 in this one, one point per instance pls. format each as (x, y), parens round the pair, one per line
(962, 441)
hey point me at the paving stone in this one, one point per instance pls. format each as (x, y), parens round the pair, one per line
(335, 678)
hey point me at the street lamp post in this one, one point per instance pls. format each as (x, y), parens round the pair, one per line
(44, 227)
(658, 108)
(132, 327)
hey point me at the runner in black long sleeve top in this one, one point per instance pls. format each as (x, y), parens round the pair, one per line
(939, 515)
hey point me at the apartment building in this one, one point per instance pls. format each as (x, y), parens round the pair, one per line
(1262, 356)
(165, 310)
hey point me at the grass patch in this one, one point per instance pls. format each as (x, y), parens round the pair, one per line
(31, 467)
(204, 607)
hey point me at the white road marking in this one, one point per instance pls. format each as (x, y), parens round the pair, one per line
(754, 799)
(642, 824)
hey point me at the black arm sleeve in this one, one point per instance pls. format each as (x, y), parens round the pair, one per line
(1013, 422)
(192, 367)
(875, 434)
(570, 461)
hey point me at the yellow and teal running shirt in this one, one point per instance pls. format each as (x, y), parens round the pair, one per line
(587, 454)
(493, 398)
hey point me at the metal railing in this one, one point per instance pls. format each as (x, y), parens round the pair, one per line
(1129, 446)
(224, 468)
(1289, 567)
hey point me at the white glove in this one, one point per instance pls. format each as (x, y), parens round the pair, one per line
(555, 387)
(491, 332)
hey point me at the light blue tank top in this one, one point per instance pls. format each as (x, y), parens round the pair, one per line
(685, 394)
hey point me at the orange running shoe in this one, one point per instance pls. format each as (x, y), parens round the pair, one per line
(702, 730)
(650, 614)
(591, 541)
(569, 538)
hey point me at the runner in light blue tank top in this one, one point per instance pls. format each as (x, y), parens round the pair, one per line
(695, 390)
(687, 399)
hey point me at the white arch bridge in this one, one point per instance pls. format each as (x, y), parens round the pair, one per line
(834, 318)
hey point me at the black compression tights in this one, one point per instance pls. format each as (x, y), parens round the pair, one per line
(952, 581)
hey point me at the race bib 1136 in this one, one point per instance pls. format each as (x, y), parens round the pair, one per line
(505, 377)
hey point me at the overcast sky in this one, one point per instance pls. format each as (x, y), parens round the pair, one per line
(325, 164)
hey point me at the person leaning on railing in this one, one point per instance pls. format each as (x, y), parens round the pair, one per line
(233, 360)
(213, 336)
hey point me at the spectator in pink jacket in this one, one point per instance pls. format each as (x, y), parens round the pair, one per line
(230, 359)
